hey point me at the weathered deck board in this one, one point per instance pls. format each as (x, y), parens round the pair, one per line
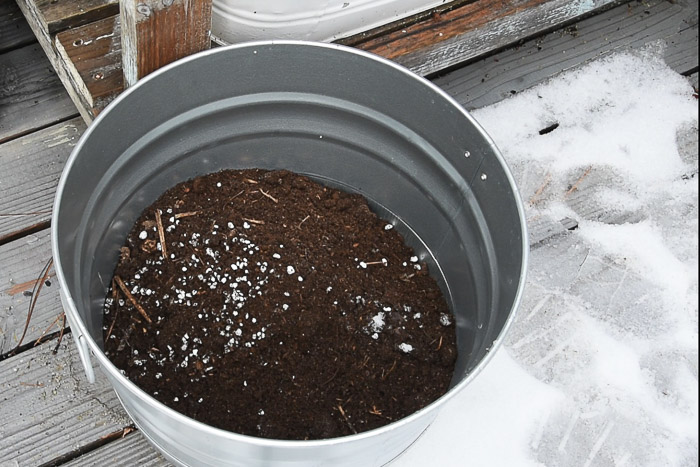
(14, 30)
(38, 23)
(156, 33)
(92, 54)
(29, 170)
(22, 262)
(477, 29)
(471, 30)
(48, 409)
(60, 15)
(628, 26)
(131, 450)
(31, 97)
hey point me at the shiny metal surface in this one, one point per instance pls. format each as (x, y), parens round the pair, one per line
(341, 116)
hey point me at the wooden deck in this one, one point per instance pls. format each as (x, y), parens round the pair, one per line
(50, 415)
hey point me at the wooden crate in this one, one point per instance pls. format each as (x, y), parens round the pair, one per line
(83, 39)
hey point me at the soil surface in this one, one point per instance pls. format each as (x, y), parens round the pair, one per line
(282, 309)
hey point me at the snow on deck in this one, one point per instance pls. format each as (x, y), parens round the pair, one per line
(601, 364)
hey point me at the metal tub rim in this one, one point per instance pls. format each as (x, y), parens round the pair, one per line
(86, 344)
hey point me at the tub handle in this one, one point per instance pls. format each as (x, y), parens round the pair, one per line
(80, 341)
(84, 353)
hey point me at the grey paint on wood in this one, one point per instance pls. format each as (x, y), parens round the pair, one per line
(48, 409)
(22, 261)
(632, 26)
(544, 229)
(499, 34)
(29, 170)
(133, 449)
(31, 96)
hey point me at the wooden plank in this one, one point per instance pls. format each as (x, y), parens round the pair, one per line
(22, 262)
(403, 23)
(14, 30)
(37, 22)
(630, 26)
(158, 32)
(476, 29)
(58, 15)
(431, 44)
(29, 170)
(48, 409)
(31, 97)
(92, 54)
(133, 449)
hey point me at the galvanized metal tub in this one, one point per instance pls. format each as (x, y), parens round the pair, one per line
(344, 117)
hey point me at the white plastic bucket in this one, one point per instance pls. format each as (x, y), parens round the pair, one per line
(236, 21)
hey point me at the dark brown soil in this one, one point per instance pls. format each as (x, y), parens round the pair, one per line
(284, 309)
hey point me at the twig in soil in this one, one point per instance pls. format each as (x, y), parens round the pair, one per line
(439, 344)
(236, 195)
(250, 180)
(60, 336)
(389, 372)
(365, 361)
(161, 235)
(115, 298)
(574, 187)
(186, 214)
(378, 413)
(253, 221)
(540, 190)
(407, 277)
(131, 298)
(44, 275)
(302, 221)
(269, 196)
(376, 262)
(332, 377)
(345, 417)
(111, 326)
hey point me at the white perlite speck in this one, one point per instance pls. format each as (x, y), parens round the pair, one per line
(143, 235)
(377, 322)
(290, 270)
(405, 348)
(445, 319)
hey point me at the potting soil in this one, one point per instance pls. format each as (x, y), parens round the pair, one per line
(263, 303)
